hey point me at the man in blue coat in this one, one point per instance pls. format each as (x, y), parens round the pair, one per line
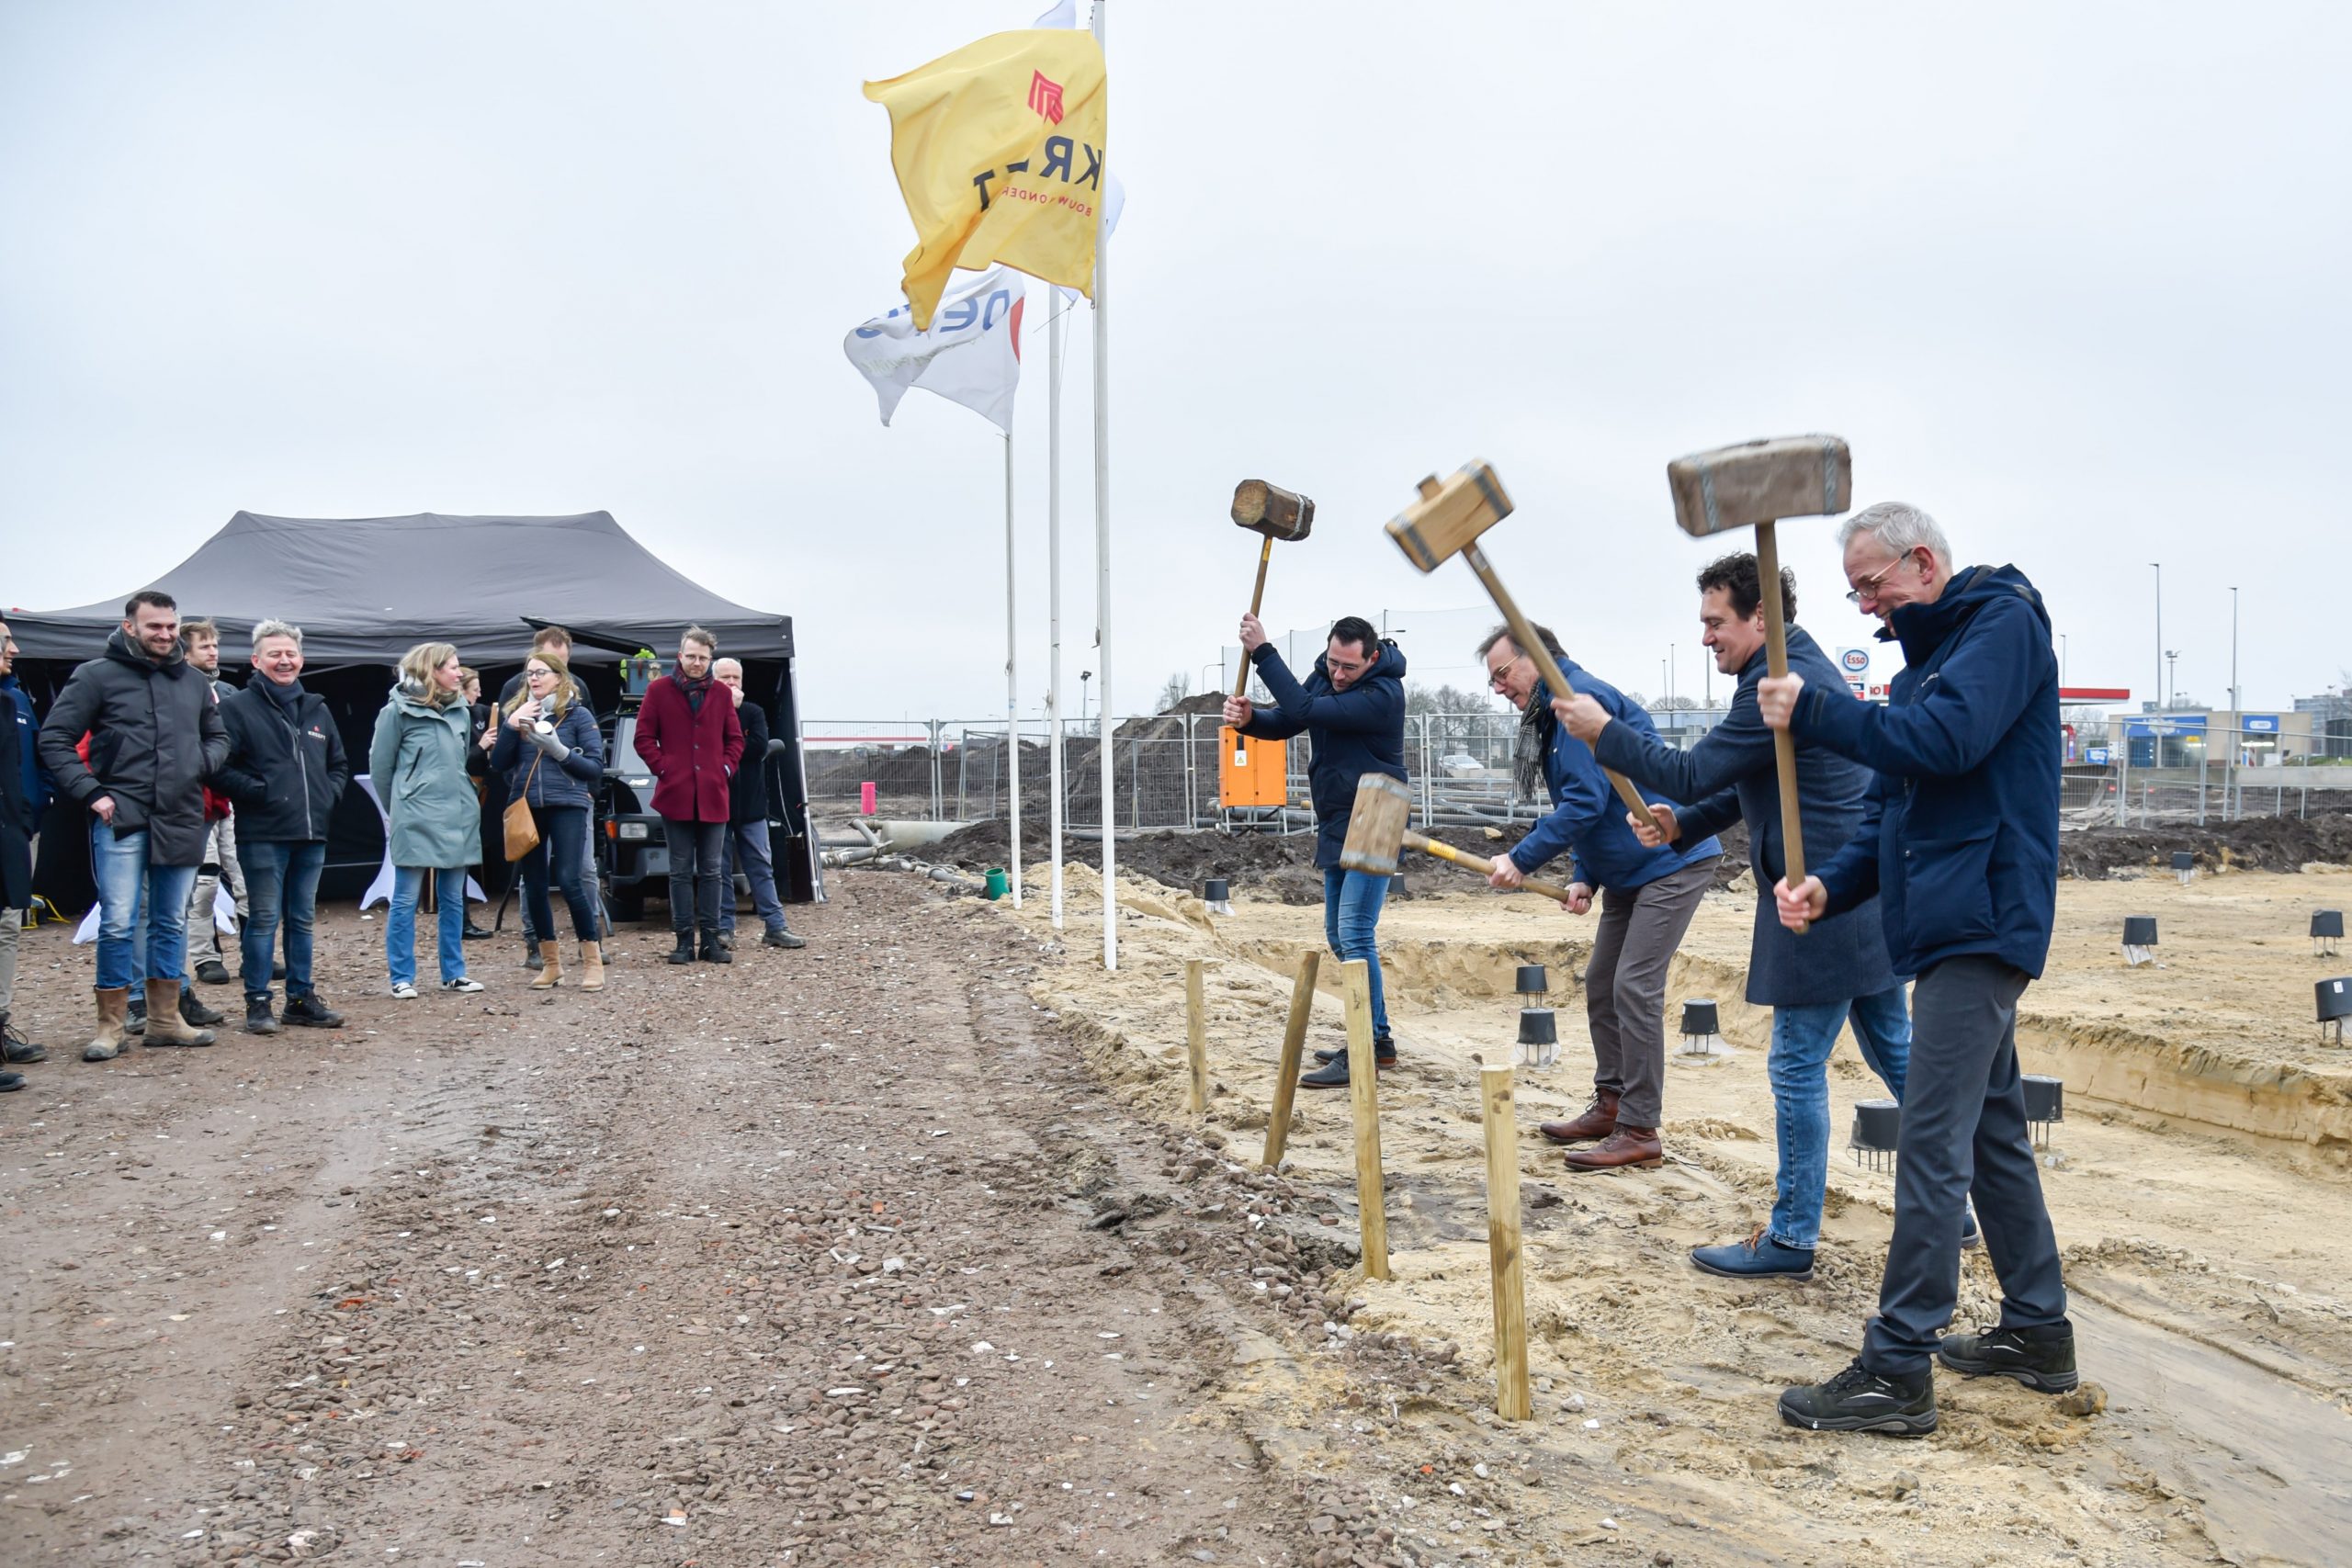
(1352, 706)
(1647, 898)
(1813, 984)
(1960, 844)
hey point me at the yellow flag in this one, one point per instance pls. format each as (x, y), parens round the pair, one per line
(998, 149)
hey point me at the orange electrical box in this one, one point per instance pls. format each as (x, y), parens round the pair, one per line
(1263, 777)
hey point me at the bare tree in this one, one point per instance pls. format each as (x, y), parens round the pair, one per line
(1174, 690)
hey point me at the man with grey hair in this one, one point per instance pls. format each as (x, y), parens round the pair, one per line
(1959, 841)
(285, 770)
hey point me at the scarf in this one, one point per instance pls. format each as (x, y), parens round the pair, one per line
(288, 697)
(1528, 749)
(695, 688)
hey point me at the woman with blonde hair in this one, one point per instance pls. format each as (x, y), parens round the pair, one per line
(553, 756)
(417, 763)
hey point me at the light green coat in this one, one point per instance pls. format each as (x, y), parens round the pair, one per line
(417, 763)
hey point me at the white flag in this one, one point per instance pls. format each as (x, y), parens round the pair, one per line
(971, 355)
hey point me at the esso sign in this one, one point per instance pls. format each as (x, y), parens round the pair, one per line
(1855, 659)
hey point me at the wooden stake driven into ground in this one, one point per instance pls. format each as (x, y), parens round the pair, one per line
(1363, 1098)
(1513, 1402)
(1301, 1009)
(1196, 1047)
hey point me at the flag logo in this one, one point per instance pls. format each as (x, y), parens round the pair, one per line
(1045, 96)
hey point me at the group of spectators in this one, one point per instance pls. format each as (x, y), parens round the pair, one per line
(201, 795)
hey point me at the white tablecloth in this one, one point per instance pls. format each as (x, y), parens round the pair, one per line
(380, 890)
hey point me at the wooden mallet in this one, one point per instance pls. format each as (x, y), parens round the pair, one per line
(1377, 836)
(1277, 514)
(1755, 484)
(1446, 522)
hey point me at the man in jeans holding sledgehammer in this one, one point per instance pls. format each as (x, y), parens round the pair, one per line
(1960, 844)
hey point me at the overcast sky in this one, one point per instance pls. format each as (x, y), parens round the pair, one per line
(2073, 277)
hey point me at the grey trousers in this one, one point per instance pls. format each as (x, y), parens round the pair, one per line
(11, 922)
(1964, 1136)
(220, 867)
(1625, 988)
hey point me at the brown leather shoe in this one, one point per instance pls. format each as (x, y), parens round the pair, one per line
(1629, 1146)
(1599, 1119)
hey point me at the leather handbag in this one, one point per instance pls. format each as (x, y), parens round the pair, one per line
(521, 827)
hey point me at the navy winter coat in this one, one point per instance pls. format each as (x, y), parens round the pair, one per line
(1355, 732)
(571, 781)
(1587, 818)
(1730, 776)
(1961, 838)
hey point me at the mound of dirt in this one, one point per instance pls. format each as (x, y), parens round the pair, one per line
(2260, 843)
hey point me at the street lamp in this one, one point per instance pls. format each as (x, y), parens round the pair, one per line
(2160, 631)
(1083, 677)
(2172, 658)
(2234, 704)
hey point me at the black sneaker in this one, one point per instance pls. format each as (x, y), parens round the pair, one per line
(312, 1013)
(10, 1082)
(782, 938)
(15, 1049)
(531, 959)
(135, 1021)
(1859, 1400)
(1384, 1053)
(2040, 1358)
(212, 972)
(193, 1013)
(685, 952)
(474, 932)
(259, 1019)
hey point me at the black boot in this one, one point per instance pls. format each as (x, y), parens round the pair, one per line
(1859, 1400)
(714, 948)
(2040, 1358)
(212, 972)
(194, 1011)
(17, 1050)
(312, 1013)
(259, 1019)
(685, 952)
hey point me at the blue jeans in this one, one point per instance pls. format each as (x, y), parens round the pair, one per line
(143, 909)
(400, 923)
(747, 845)
(281, 883)
(1352, 901)
(1803, 1038)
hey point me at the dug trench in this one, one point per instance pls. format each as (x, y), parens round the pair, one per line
(2196, 1184)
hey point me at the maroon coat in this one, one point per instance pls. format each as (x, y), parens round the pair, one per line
(693, 755)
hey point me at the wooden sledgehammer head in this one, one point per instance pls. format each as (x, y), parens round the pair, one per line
(1272, 511)
(1376, 825)
(1450, 516)
(1760, 481)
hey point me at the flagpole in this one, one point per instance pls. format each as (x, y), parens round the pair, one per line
(1011, 681)
(1103, 735)
(1054, 584)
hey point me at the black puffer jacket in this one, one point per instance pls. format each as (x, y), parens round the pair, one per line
(747, 797)
(285, 771)
(155, 736)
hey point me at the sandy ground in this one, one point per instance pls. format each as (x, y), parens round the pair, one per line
(2198, 1186)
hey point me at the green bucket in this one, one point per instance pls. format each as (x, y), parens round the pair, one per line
(998, 883)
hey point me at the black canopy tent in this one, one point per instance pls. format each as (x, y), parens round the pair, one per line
(366, 590)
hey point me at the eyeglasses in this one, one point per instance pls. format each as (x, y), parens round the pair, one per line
(1499, 677)
(1868, 586)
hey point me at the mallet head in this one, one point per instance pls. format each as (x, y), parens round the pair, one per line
(1760, 481)
(1376, 825)
(1450, 516)
(1272, 511)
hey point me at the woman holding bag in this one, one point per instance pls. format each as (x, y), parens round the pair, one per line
(417, 763)
(553, 755)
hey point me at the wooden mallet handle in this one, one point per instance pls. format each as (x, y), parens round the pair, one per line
(1533, 646)
(1428, 846)
(1784, 745)
(1257, 597)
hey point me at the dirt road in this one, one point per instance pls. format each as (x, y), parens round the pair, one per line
(801, 1260)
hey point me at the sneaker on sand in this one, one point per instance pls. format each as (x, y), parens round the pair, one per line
(2040, 1358)
(403, 991)
(463, 983)
(1757, 1258)
(1859, 1400)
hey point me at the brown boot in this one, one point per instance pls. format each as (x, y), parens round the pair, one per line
(164, 1024)
(592, 966)
(1599, 1119)
(550, 966)
(1628, 1147)
(114, 1011)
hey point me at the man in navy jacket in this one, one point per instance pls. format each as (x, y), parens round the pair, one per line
(1648, 895)
(1813, 983)
(1960, 844)
(1352, 706)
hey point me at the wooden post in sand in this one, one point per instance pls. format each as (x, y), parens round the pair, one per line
(1363, 1096)
(1513, 1402)
(1196, 1044)
(1301, 1009)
